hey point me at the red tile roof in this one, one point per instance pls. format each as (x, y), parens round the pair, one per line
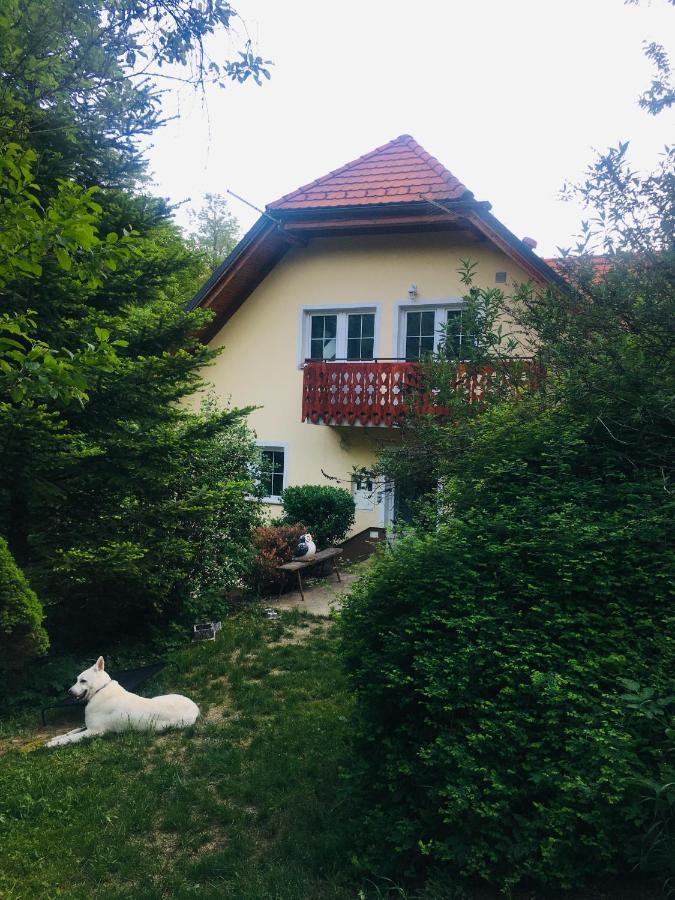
(567, 266)
(398, 172)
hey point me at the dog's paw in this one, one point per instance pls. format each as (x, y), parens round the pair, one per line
(55, 742)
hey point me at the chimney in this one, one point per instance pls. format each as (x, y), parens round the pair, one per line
(530, 242)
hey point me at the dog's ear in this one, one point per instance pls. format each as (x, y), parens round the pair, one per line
(100, 664)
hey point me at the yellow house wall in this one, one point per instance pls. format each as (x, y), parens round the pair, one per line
(259, 364)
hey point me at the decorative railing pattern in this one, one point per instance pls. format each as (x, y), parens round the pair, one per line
(374, 392)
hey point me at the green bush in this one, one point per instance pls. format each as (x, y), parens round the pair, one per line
(487, 658)
(21, 633)
(328, 512)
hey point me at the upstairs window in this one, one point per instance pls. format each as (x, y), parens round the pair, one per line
(423, 330)
(420, 334)
(339, 335)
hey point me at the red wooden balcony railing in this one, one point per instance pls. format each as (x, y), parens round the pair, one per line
(373, 392)
(369, 392)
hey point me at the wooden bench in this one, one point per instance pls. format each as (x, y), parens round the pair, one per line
(298, 565)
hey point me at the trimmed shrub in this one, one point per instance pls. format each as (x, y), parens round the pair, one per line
(21, 633)
(488, 658)
(275, 545)
(327, 511)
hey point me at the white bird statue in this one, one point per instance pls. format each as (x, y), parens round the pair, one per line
(306, 548)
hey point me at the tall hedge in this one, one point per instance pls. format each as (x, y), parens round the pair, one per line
(21, 633)
(487, 655)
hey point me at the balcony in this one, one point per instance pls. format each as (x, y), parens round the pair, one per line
(368, 392)
(378, 392)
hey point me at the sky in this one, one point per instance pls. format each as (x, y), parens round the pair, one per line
(513, 96)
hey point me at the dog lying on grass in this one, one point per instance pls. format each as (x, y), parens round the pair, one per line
(110, 708)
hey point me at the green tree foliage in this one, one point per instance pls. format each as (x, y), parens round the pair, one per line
(216, 230)
(81, 79)
(488, 650)
(21, 633)
(660, 94)
(326, 511)
(33, 375)
(113, 493)
(131, 497)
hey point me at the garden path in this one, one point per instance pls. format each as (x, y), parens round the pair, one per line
(321, 595)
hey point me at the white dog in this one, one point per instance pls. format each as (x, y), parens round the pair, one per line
(111, 708)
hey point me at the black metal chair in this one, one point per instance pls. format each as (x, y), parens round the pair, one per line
(130, 679)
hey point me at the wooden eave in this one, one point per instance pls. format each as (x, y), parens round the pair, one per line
(240, 273)
(499, 235)
(383, 219)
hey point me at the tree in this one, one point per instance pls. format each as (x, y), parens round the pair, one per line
(490, 649)
(217, 230)
(101, 492)
(38, 381)
(80, 80)
(127, 514)
(605, 343)
(661, 93)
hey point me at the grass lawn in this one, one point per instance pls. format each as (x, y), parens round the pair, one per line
(245, 804)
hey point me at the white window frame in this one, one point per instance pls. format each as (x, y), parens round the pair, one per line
(438, 307)
(341, 311)
(279, 446)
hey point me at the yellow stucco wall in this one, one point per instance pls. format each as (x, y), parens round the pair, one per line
(260, 362)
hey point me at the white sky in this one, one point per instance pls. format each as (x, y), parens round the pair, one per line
(510, 95)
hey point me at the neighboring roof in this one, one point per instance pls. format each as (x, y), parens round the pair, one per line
(398, 172)
(565, 266)
(397, 187)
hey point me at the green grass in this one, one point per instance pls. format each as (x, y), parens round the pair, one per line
(246, 804)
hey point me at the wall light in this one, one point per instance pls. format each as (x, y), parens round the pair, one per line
(412, 291)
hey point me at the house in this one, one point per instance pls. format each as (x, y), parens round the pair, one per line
(324, 305)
